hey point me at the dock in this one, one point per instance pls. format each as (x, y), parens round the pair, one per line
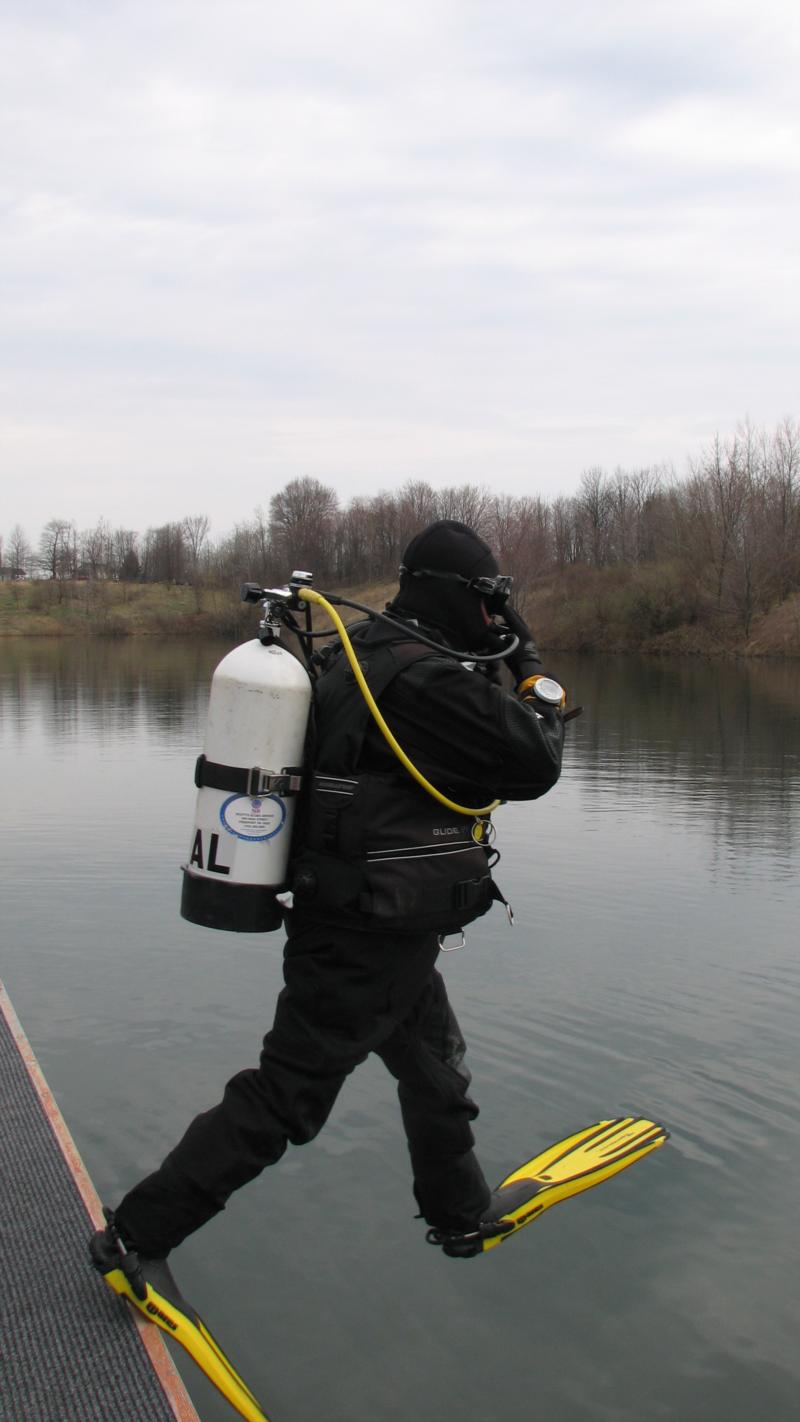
(70, 1351)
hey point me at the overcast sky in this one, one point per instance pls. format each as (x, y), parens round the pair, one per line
(489, 241)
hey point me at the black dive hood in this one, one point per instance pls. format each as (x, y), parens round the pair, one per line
(443, 602)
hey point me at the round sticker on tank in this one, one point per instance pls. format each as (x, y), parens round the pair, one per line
(255, 818)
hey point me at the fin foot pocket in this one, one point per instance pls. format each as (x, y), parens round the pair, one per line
(148, 1285)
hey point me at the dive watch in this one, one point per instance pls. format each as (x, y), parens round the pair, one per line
(543, 688)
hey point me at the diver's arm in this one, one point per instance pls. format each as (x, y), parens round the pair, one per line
(462, 729)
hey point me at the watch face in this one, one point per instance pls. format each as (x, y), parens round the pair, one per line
(549, 690)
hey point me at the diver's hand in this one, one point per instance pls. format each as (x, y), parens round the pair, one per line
(524, 661)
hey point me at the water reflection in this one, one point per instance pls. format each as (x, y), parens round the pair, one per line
(114, 685)
(718, 744)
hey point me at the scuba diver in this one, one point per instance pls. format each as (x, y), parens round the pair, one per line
(381, 873)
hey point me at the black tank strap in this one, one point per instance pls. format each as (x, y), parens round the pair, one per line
(252, 781)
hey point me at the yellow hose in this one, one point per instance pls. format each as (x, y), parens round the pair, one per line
(309, 595)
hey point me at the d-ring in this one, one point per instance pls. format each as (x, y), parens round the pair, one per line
(454, 947)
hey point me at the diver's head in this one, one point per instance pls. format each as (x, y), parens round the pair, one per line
(449, 578)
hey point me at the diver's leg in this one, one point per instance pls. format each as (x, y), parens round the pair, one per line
(288, 1097)
(426, 1055)
(345, 993)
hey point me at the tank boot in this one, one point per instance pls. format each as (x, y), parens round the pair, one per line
(465, 1244)
(149, 1286)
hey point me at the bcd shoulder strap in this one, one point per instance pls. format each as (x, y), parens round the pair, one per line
(342, 716)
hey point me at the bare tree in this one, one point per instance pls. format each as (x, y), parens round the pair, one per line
(163, 558)
(195, 532)
(240, 556)
(19, 552)
(417, 505)
(125, 564)
(261, 543)
(385, 535)
(620, 510)
(565, 534)
(467, 503)
(646, 497)
(96, 550)
(355, 554)
(521, 534)
(303, 526)
(593, 506)
(129, 569)
(717, 492)
(782, 497)
(56, 548)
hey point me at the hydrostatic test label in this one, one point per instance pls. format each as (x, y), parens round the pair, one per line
(255, 818)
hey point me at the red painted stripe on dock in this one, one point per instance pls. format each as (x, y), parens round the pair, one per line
(166, 1371)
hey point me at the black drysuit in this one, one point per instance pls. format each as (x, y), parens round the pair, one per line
(355, 985)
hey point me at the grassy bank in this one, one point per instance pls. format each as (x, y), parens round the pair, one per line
(105, 609)
(647, 609)
(653, 609)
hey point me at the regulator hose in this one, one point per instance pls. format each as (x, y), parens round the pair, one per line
(306, 594)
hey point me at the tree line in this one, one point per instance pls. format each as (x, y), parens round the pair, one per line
(730, 531)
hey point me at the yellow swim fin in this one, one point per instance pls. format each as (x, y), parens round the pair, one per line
(148, 1284)
(567, 1168)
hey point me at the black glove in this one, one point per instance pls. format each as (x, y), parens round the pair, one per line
(525, 661)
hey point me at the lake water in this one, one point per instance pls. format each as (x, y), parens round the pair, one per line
(653, 969)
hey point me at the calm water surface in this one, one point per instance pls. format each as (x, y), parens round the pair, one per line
(653, 968)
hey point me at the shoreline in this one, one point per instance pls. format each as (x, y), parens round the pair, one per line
(690, 649)
(568, 617)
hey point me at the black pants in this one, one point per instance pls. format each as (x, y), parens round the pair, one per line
(346, 994)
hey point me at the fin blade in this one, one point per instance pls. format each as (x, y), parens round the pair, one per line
(603, 1143)
(578, 1163)
(225, 1362)
(184, 1324)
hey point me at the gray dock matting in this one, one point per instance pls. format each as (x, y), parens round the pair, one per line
(69, 1349)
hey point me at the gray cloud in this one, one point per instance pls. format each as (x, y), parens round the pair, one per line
(474, 240)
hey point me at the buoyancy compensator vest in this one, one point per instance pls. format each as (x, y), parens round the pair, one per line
(374, 847)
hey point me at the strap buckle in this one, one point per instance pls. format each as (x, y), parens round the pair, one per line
(265, 782)
(252, 782)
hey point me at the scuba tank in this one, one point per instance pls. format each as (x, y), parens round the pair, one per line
(247, 778)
